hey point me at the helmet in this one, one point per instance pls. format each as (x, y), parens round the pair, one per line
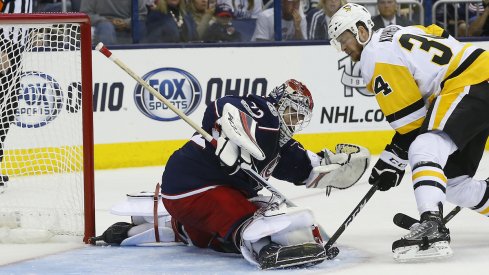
(346, 18)
(294, 104)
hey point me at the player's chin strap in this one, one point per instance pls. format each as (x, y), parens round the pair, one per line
(156, 197)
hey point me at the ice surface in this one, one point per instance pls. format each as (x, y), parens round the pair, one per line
(365, 245)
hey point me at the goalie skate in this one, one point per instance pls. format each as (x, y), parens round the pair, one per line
(3, 183)
(274, 256)
(429, 240)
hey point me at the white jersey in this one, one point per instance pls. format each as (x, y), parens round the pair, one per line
(241, 8)
(407, 67)
(16, 34)
(264, 29)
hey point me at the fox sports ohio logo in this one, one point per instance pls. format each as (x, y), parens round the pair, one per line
(40, 100)
(178, 86)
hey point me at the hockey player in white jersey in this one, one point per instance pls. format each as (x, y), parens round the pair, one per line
(434, 92)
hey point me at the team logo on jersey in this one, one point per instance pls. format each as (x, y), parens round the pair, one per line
(268, 169)
(272, 108)
(178, 86)
(40, 100)
(351, 77)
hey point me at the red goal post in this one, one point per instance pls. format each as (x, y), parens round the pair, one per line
(48, 143)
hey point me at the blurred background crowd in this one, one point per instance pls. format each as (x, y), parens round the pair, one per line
(193, 21)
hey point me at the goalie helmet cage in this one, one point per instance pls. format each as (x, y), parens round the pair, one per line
(46, 128)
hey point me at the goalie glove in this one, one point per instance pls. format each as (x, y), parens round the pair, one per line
(389, 169)
(340, 169)
(237, 143)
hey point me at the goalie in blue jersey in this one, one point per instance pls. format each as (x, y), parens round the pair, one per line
(214, 204)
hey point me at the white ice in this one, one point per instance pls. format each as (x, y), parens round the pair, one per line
(365, 245)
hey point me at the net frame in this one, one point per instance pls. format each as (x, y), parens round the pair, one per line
(87, 110)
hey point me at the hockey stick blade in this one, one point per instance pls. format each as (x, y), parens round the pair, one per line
(404, 221)
(332, 252)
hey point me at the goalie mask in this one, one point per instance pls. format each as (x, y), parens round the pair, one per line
(294, 104)
(346, 19)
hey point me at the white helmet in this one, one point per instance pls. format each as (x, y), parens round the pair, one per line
(346, 18)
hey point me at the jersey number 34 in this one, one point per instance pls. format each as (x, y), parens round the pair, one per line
(426, 45)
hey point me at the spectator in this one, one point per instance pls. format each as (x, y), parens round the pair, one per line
(388, 15)
(222, 29)
(245, 9)
(168, 22)
(202, 13)
(455, 22)
(318, 19)
(294, 25)
(480, 26)
(111, 20)
(57, 6)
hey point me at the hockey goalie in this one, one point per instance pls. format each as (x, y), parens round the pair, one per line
(208, 201)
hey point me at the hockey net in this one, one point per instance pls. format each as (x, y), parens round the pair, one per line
(46, 128)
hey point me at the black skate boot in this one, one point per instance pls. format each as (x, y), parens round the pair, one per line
(426, 241)
(3, 183)
(274, 255)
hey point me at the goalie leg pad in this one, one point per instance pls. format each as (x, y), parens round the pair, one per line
(274, 221)
(146, 235)
(285, 234)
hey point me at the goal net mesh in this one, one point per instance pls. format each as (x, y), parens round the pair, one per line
(41, 133)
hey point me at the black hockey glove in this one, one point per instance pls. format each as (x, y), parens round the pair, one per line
(389, 169)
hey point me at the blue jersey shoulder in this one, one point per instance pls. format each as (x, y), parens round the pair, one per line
(259, 108)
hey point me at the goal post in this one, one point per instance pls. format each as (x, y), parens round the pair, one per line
(46, 128)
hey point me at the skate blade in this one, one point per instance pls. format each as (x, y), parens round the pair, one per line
(298, 264)
(437, 251)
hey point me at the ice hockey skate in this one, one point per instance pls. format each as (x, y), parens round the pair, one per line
(429, 240)
(274, 256)
(3, 183)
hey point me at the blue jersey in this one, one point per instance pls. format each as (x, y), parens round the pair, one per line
(195, 167)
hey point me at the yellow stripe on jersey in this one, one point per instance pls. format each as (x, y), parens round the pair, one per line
(455, 61)
(485, 211)
(430, 173)
(475, 73)
(397, 95)
(433, 30)
(404, 88)
(442, 108)
(411, 126)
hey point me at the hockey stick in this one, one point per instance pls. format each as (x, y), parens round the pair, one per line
(331, 251)
(404, 221)
(247, 169)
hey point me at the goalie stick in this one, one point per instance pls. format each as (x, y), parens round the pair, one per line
(404, 221)
(247, 169)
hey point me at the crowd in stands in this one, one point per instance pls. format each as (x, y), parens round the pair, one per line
(176, 21)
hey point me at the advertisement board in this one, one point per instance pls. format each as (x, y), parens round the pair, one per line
(133, 128)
